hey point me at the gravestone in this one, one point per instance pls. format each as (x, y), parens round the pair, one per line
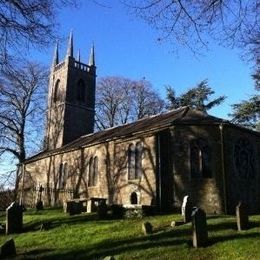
(109, 258)
(14, 218)
(39, 204)
(176, 223)
(75, 207)
(147, 228)
(92, 204)
(199, 228)
(186, 209)
(2, 228)
(102, 209)
(242, 216)
(7, 249)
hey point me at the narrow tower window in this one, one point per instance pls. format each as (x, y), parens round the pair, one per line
(57, 92)
(81, 91)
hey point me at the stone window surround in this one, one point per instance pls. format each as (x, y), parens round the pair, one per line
(201, 158)
(134, 161)
(63, 174)
(57, 91)
(92, 181)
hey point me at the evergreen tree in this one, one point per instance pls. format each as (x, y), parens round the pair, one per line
(196, 97)
(247, 113)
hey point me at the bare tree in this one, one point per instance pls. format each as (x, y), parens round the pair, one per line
(120, 100)
(27, 23)
(190, 23)
(22, 102)
(146, 101)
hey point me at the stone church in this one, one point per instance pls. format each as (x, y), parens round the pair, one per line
(154, 161)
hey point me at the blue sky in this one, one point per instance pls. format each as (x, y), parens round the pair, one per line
(126, 46)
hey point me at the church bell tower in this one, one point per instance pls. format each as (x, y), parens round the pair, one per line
(71, 98)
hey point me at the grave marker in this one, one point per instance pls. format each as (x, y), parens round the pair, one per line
(147, 228)
(186, 209)
(7, 249)
(241, 216)
(14, 218)
(199, 228)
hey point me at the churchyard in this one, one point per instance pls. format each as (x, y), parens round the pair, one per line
(53, 234)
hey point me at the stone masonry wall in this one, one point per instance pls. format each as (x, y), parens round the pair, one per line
(206, 193)
(242, 153)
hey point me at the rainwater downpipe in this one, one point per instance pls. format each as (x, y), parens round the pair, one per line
(159, 170)
(221, 127)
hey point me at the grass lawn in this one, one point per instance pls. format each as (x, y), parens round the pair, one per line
(85, 237)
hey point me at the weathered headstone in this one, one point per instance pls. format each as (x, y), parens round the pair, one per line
(109, 258)
(7, 249)
(176, 223)
(102, 209)
(14, 218)
(92, 204)
(147, 228)
(39, 205)
(75, 208)
(173, 224)
(186, 209)
(45, 226)
(242, 216)
(199, 228)
(2, 229)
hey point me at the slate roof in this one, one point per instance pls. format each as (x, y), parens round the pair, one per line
(184, 115)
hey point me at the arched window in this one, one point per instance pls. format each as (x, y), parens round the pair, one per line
(93, 171)
(200, 159)
(133, 198)
(81, 91)
(57, 91)
(135, 154)
(90, 172)
(60, 175)
(131, 162)
(63, 175)
(138, 160)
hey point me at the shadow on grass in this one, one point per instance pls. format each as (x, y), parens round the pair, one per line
(167, 239)
(222, 226)
(231, 224)
(36, 252)
(163, 237)
(53, 223)
(108, 247)
(172, 237)
(235, 236)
